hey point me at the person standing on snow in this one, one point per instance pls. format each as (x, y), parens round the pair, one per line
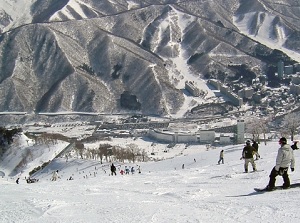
(284, 159)
(247, 155)
(255, 146)
(55, 175)
(132, 170)
(221, 157)
(113, 169)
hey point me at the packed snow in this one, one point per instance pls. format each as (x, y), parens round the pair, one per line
(164, 191)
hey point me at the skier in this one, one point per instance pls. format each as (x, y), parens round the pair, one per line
(247, 155)
(255, 146)
(55, 175)
(285, 157)
(221, 157)
(126, 170)
(17, 181)
(113, 169)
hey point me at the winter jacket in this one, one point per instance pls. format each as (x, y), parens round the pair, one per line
(255, 146)
(221, 154)
(113, 168)
(248, 152)
(285, 157)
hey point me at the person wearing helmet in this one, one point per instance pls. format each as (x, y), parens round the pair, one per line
(284, 159)
(247, 155)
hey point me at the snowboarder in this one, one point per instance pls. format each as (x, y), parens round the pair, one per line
(113, 169)
(221, 157)
(247, 155)
(255, 146)
(285, 157)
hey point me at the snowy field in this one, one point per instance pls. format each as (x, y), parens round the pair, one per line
(163, 192)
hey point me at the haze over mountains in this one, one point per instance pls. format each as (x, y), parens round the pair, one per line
(85, 55)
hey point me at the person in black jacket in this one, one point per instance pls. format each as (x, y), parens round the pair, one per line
(247, 155)
(294, 146)
(113, 169)
(255, 146)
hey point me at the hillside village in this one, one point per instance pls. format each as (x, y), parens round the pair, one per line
(263, 100)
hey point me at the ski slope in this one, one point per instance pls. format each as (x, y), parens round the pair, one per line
(163, 192)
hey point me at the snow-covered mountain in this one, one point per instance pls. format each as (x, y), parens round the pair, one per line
(90, 55)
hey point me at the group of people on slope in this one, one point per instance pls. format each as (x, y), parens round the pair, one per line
(284, 160)
(127, 170)
(248, 154)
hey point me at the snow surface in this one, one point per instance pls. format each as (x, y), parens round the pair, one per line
(163, 192)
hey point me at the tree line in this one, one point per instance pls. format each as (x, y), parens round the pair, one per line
(287, 126)
(109, 153)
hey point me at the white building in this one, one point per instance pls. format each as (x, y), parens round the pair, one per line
(207, 136)
(240, 131)
(224, 139)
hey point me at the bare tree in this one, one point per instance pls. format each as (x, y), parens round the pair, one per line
(103, 151)
(257, 126)
(144, 155)
(79, 147)
(252, 128)
(290, 123)
(134, 151)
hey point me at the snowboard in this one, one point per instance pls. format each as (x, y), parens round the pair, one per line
(250, 172)
(294, 185)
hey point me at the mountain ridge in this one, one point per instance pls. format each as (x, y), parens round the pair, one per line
(86, 64)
